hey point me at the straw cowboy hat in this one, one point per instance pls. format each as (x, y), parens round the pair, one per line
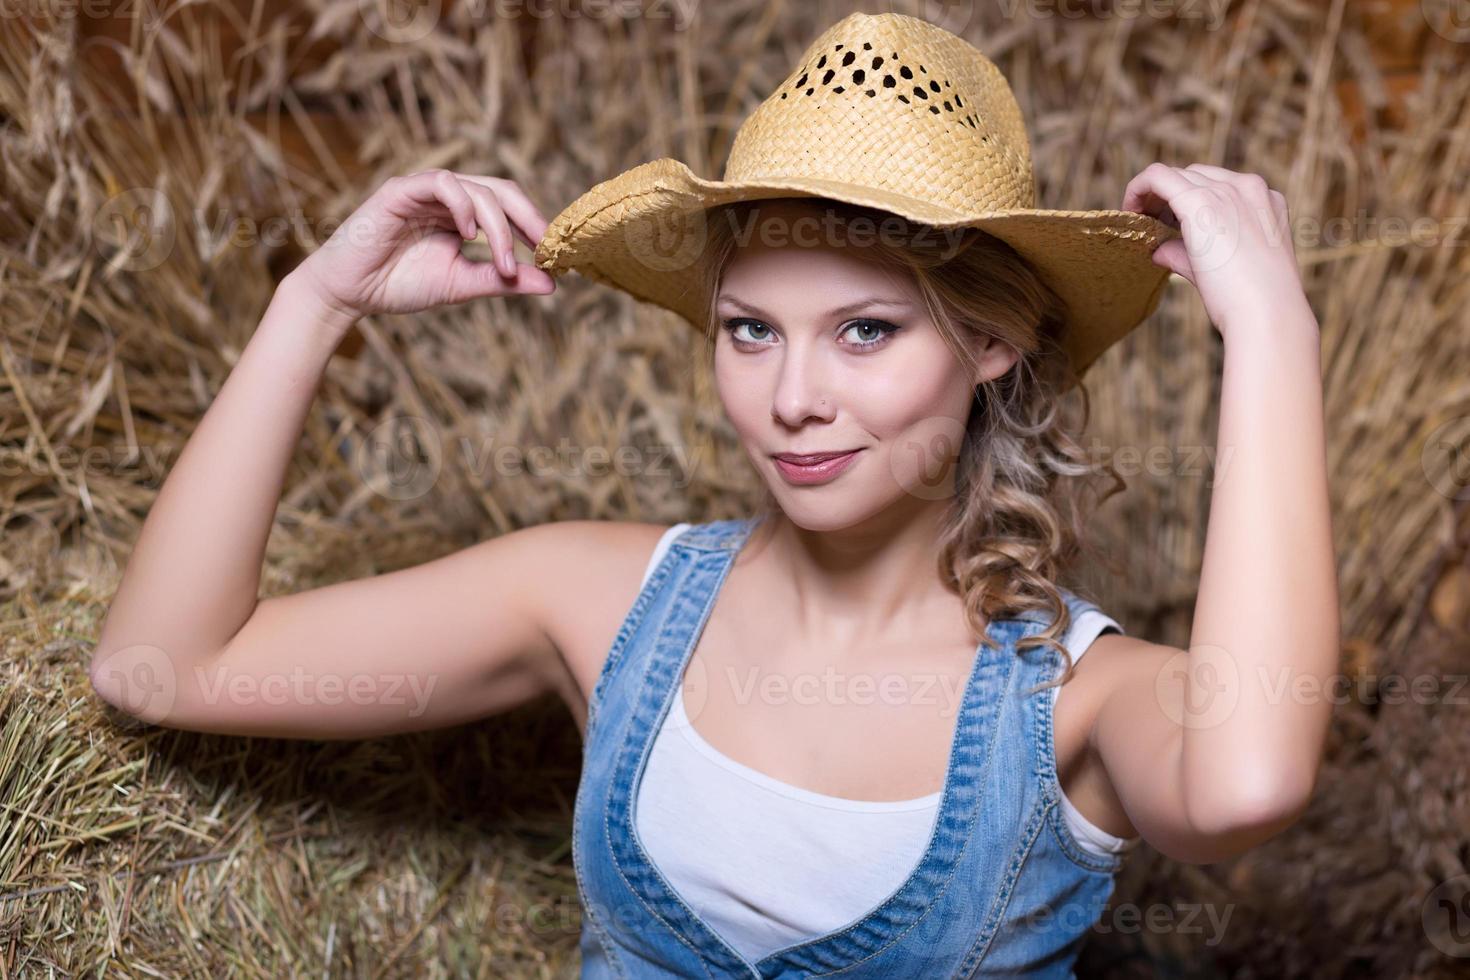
(887, 111)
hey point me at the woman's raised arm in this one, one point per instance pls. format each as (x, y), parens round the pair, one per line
(187, 642)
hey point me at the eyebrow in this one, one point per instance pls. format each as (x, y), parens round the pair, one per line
(866, 302)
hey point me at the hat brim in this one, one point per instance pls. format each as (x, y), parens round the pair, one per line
(643, 232)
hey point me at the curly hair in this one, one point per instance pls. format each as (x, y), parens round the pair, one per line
(1017, 520)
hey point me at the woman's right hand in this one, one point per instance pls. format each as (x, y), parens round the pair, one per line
(399, 252)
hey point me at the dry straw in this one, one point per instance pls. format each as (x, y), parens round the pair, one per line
(154, 853)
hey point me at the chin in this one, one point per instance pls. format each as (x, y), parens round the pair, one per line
(828, 508)
(815, 517)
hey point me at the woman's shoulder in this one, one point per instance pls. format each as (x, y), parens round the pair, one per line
(588, 575)
(613, 556)
(1087, 620)
(597, 555)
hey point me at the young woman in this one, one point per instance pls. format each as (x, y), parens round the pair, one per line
(854, 734)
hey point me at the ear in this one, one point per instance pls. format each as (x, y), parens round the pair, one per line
(994, 358)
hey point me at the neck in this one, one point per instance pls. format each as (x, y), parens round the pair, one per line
(866, 582)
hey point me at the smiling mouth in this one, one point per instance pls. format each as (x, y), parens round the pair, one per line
(797, 459)
(813, 469)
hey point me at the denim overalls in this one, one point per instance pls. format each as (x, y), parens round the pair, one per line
(1002, 889)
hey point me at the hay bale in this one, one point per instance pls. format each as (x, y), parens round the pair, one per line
(140, 177)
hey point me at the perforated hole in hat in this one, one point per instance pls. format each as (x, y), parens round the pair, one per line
(875, 75)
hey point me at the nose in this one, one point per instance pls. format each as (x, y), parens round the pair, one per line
(801, 394)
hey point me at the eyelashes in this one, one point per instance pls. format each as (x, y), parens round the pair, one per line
(884, 328)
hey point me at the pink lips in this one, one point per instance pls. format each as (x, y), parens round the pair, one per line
(814, 468)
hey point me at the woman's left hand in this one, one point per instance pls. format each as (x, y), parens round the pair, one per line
(1236, 245)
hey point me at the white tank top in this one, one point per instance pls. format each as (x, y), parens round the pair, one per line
(704, 820)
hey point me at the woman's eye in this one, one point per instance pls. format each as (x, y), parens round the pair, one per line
(869, 333)
(760, 332)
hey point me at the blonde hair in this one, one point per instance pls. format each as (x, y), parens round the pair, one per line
(1018, 518)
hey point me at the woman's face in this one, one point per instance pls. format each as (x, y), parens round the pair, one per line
(820, 351)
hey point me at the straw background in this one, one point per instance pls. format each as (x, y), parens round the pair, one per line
(152, 852)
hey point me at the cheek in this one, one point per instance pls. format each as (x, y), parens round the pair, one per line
(741, 393)
(921, 388)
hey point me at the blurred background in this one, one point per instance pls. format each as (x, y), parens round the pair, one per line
(164, 164)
